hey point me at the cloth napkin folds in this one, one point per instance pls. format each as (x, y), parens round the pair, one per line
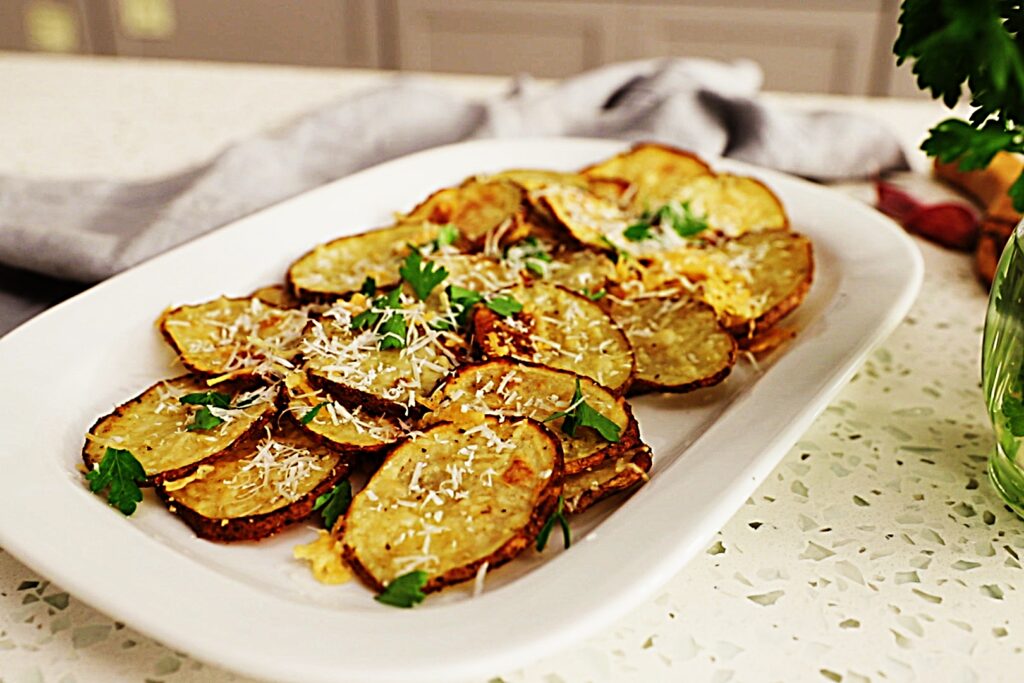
(89, 230)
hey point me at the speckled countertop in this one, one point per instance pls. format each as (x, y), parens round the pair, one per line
(876, 550)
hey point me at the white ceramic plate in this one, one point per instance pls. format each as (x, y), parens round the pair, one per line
(251, 607)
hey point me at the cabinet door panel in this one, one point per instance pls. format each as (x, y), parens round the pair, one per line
(541, 38)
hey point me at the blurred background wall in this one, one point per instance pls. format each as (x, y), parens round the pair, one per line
(824, 46)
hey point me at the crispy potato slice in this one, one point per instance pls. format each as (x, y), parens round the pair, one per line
(243, 337)
(587, 272)
(340, 267)
(352, 367)
(476, 272)
(732, 205)
(349, 430)
(514, 388)
(560, 329)
(679, 344)
(277, 295)
(477, 208)
(613, 189)
(154, 427)
(654, 170)
(451, 499)
(261, 485)
(754, 280)
(582, 490)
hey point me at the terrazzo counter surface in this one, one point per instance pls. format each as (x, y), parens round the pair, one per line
(875, 551)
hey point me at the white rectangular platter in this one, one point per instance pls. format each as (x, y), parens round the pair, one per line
(253, 608)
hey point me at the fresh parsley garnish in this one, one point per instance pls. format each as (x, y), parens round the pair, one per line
(675, 215)
(461, 300)
(372, 315)
(557, 516)
(369, 287)
(203, 420)
(581, 414)
(121, 473)
(618, 253)
(978, 44)
(334, 503)
(504, 305)
(596, 295)
(207, 398)
(421, 275)
(532, 253)
(405, 591)
(446, 236)
(311, 414)
(393, 332)
(638, 232)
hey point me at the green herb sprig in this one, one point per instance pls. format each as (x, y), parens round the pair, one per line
(581, 414)
(557, 516)
(421, 275)
(334, 503)
(978, 45)
(405, 591)
(121, 474)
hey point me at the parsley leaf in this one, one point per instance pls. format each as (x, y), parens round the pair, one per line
(204, 420)
(581, 414)
(369, 287)
(596, 295)
(446, 236)
(638, 232)
(421, 276)
(372, 315)
(461, 301)
(504, 305)
(334, 503)
(532, 253)
(682, 219)
(207, 398)
(975, 44)
(121, 473)
(405, 591)
(545, 531)
(311, 414)
(393, 332)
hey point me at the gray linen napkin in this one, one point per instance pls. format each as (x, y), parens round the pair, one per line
(88, 230)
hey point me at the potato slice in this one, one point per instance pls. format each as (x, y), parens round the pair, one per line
(278, 296)
(654, 170)
(452, 498)
(755, 280)
(477, 208)
(560, 329)
(256, 489)
(351, 366)
(582, 490)
(514, 388)
(350, 430)
(243, 337)
(340, 267)
(154, 427)
(587, 272)
(679, 344)
(732, 205)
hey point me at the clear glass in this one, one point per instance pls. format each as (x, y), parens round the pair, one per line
(1002, 357)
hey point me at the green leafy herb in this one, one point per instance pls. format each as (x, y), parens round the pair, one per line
(369, 287)
(681, 218)
(204, 420)
(207, 398)
(121, 473)
(372, 315)
(638, 232)
(421, 275)
(405, 591)
(618, 253)
(978, 44)
(504, 305)
(446, 236)
(334, 503)
(581, 414)
(393, 332)
(594, 295)
(545, 531)
(312, 413)
(532, 253)
(461, 301)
